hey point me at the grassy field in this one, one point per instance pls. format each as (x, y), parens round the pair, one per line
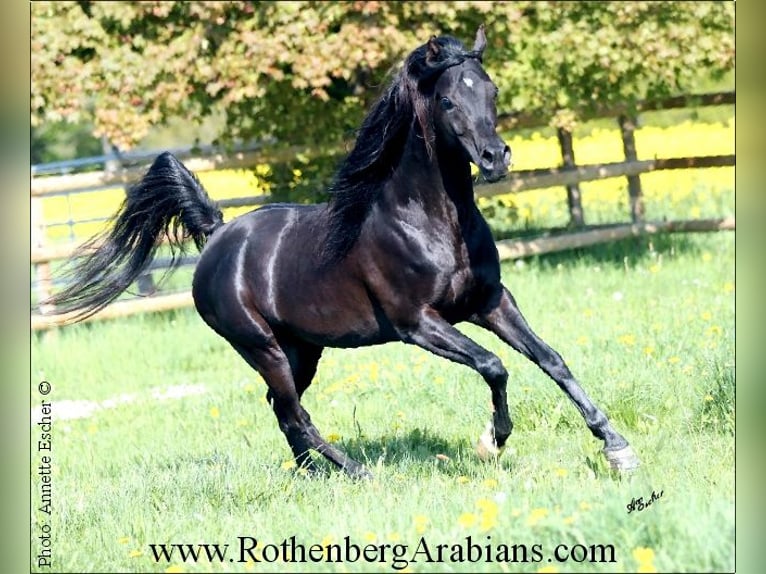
(646, 325)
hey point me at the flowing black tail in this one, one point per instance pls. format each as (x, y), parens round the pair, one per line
(168, 202)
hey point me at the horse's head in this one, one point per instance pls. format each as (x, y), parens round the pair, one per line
(464, 111)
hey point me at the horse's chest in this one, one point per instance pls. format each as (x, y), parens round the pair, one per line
(475, 269)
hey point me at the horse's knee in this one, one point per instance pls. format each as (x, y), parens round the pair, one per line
(493, 371)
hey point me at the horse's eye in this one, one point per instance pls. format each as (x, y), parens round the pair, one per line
(446, 104)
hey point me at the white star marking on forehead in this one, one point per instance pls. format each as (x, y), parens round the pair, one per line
(468, 82)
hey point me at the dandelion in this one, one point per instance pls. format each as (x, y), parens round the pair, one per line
(569, 520)
(705, 256)
(654, 268)
(174, 568)
(288, 464)
(394, 536)
(728, 287)
(370, 536)
(489, 483)
(673, 360)
(714, 331)
(249, 388)
(562, 472)
(123, 540)
(333, 437)
(706, 316)
(462, 479)
(585, 505)
(421, 523)
(648, 351)
(467, 520)
(549, 568)
(582, 340)
(92, 429)
(487, 513)
(135, 553)
(708, 398)
(645, 558)
(588, 312)
(242, 422)
(536, 516)
(214, 412)
(628, 340)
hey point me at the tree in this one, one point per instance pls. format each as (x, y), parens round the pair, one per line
(305, 72)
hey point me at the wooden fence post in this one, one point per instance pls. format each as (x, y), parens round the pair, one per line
(628, 127)
(574, 199)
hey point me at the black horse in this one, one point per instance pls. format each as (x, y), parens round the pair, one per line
(400, 253)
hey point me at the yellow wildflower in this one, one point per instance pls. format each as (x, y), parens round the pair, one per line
(421, 523)
(536, 516)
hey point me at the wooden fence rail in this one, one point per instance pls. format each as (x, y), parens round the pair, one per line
(569, 175)
(516, 182)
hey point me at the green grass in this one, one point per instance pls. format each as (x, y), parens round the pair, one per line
(647, 326)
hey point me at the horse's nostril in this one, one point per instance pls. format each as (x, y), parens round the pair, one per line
(487, 156)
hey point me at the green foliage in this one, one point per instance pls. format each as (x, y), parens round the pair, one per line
(305, 72)
(62, 140)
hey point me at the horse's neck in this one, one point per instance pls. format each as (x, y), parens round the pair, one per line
(438, 181)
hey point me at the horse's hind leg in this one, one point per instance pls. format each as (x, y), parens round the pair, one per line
(274, 364)
(505, 320)
(304, 359)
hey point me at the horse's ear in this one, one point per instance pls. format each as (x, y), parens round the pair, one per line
(433, 49)
(481, 41)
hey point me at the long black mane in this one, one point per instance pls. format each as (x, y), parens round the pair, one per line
(381, 139)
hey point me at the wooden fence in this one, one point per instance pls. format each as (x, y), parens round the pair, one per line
(569, 175)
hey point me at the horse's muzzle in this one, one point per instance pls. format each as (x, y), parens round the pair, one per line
(494, 161)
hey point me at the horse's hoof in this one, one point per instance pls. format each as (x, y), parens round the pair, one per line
(486, 447)
(623, 460)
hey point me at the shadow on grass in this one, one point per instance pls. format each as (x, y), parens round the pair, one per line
(421, 447)
(617, 253)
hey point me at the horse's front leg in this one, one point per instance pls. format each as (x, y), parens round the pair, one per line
(435, 334)
(502, 317)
